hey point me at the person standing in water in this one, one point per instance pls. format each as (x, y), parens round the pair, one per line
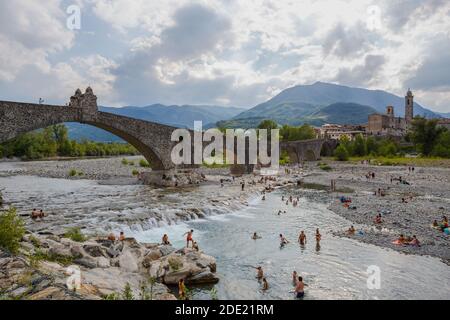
(318, 236)
(265, 284)
(259, 273)
(189, 238)
(302, 238)
(294, 277)
(300, 288)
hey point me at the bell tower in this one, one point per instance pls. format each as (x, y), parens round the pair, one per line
(409, 107)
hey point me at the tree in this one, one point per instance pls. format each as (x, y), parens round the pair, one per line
(442, 147)
(341, 153)
(268, 124)
(359, 146)
(425, 134)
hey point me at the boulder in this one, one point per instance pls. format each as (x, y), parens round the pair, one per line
(151, 256)
(87, 262)
(204, 277)
(112, 253)
(128, 262)
(166, 250)
(94, 250)
(102, 262)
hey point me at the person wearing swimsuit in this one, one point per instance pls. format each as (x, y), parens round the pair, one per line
(302, 238)
(300, 288)
(189, 238)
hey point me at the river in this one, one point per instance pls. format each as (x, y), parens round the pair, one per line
(336, 270)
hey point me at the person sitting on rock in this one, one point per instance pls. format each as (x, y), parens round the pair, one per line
(378, 219)
(195, 246)
(121, 236)
(112, 237)
(165, 240)
(414, 242)
(351, 230)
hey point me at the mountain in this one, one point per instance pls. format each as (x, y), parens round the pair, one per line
(177, 116)
(342, 113)
(445, 115)
(304, 104)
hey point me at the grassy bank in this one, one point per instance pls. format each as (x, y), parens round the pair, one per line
(404, 161)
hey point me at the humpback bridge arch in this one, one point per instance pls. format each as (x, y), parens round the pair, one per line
(152, 140)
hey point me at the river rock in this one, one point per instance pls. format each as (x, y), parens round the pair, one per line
(151, 256)
(204, 277)
(102, 262)
(128, 262)
(166, 250)
(87, 262)
(112, 253)
(94, 250)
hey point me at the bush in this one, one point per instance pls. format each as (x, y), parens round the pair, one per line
(144, 163)
(135, 172)
(124, 162)
(11, 231)
(175, 263)
(341, 153)
(325, 167)
(72, 173)
(75, 234)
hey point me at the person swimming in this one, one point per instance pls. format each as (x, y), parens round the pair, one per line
(283, 240)
(414, 241)
(401, 239)
(255, 236)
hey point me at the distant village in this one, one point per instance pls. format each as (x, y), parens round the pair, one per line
(381, 125)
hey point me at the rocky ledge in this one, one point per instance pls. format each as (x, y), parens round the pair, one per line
(42, 268)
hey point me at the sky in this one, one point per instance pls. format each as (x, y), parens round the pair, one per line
(229, 52)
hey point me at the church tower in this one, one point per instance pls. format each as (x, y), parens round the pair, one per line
(409, 107)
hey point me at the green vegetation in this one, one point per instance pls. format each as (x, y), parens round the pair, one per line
(40, 255)
(75, 234)
(124, 162)
(341, 153)
(175, 263)
(72, 173)
(429, 139)
(144, 163)
(135, 172)
(290, 133)
(11, 231)
(54, 142)
(324, 166)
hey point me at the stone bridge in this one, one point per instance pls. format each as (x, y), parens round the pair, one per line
(152, 140)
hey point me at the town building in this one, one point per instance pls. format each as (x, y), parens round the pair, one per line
(445, 123)
(336, 132)
(388, 124)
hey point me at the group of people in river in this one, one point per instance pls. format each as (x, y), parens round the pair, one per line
(37, 214)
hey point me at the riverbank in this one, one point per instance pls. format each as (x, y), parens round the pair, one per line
(426, 198)
(105, 269)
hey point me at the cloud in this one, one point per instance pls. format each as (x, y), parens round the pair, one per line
(347, 42)
(362, 74)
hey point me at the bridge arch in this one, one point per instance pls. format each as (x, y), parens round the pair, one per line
(152, 140)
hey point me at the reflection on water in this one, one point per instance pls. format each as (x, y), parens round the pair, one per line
(335, 270)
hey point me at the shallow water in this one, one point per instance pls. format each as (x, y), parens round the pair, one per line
(336, 270)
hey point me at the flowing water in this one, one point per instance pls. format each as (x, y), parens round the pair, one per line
(335, 270)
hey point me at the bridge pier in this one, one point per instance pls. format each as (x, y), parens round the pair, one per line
(172, 178)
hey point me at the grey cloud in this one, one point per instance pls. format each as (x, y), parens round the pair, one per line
(347, 42)
(197, 29)
(433, 73)
(398, 13)
(361, 74)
